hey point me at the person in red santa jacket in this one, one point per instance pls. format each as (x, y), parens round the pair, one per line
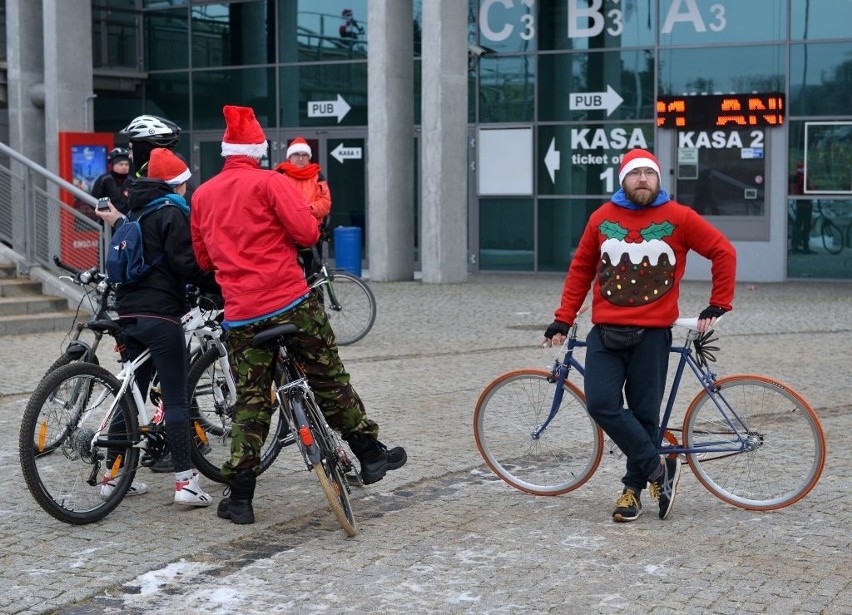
(246, 222)
(632, 255)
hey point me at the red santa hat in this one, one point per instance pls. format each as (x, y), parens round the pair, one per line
(637, 158)
(165, 165)
(299, 146)
(243, 134)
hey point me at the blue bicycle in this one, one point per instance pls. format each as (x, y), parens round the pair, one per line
(751, 440)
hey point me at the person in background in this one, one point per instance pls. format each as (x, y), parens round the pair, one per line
(308, 179)
(801, 233)
(246, 222)
(350, 29)
(151, 309)
(113, 184)
(632, 255)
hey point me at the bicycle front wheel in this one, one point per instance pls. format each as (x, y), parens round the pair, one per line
(211, 414)
(559, 459)
(322, 450)
(349, 304)
(832, 237)
(767, 452)
(74, 431)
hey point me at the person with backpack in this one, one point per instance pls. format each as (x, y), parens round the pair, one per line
(113, 184)
(151, 299)
(147, 132)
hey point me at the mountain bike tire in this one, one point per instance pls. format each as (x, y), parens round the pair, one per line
(211, 416)
(349, 304)
(73, 401)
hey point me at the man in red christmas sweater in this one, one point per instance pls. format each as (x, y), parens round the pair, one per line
(633, 254)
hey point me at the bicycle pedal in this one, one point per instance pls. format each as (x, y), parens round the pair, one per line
(354, 479)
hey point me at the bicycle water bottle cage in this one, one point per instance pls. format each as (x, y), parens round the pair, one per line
(704, 353)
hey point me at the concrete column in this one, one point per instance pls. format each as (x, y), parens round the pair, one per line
(444, 170)
(68, 96)
(25, 56)
(390, 140)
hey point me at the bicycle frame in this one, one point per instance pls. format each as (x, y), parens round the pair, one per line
(705, 377)
(195, 326)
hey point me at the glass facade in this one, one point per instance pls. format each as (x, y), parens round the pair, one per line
(582, 75)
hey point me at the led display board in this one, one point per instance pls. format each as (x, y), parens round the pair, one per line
(720, 111)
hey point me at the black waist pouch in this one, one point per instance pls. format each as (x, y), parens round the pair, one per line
(616, 337)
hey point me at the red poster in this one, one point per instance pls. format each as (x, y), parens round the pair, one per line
(82, 159)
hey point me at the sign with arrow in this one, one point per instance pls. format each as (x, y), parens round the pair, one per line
(588, 101)
(341, 153)
(329, 108)
(552, 160)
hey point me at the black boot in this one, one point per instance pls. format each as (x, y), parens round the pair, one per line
(237, 507)
(375, 458)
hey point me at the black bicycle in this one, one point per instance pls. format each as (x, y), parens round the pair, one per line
(348, 301)
(322, 449)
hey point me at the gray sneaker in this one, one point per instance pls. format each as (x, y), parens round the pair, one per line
(664, 488)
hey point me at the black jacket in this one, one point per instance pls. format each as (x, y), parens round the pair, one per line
(166, 231)
(113, 186)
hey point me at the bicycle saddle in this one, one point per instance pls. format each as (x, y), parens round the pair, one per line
(269, 337)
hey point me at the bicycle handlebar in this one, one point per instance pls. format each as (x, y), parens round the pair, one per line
(81, 276)
(690, 322)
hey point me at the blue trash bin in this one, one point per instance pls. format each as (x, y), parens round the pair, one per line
(347, 249)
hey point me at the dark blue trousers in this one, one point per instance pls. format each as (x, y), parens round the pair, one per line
(637, 375)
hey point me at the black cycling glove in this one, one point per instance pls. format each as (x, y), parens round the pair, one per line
(557, 327)
(711, 311)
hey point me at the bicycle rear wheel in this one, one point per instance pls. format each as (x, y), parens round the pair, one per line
(211, 414)
(561, 458)
(349, 304)
(784, 443)
(69, 406)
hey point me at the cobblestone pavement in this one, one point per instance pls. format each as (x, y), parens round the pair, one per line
(443, 534)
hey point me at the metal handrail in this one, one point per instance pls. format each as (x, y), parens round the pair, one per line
(37, 224)
(53, 177)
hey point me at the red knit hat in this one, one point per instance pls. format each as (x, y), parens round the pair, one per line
(243, 134)
(299, 146)
(165, 165)
(636, 158)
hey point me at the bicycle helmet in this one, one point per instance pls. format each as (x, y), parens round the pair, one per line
(152, 129)
(118, 153)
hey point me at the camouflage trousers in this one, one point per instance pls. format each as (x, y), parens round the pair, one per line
(316, 351)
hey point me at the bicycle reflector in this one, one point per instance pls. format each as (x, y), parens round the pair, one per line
(703, 351)
(306, 436)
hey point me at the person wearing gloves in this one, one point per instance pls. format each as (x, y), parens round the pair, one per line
(632, 255)
(246, 222)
